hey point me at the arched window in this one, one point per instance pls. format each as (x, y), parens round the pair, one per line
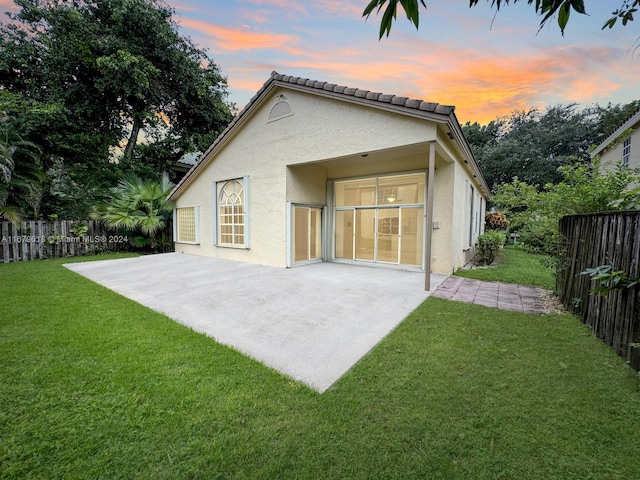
(231, 213)
(281, 109)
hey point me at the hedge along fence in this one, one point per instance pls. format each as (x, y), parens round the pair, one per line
(35, 239)
(603, 239)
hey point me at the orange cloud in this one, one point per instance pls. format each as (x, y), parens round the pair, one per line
(229, 39)
(484, 79)
(481, 86)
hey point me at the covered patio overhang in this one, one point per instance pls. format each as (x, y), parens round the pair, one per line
(311, 183)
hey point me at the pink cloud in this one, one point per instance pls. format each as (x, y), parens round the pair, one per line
(230, 39)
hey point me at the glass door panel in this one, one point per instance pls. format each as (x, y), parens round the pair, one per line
(344, 234)
(401, 189)
(301, 234)
(355, 193)
(388, 224)
(307, 234)
(365, 234)
(412, 236)
(315, 233)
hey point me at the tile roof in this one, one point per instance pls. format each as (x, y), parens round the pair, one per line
(188, 159)
(431, 110)
(365, 94)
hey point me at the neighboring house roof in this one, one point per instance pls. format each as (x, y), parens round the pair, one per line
(630, 122)
(188, 160)
(443, 114)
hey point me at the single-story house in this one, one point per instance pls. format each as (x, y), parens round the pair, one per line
(313, 171)
(617, 147)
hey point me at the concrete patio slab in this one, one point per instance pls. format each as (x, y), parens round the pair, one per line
(312, 323)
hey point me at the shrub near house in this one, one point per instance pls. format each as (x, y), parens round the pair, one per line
(139, 208)
(489, 245)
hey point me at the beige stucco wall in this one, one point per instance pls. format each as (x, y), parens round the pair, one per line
(611, 157)
(451, 249)
(307, 184)
(319, 129)
(442, 249)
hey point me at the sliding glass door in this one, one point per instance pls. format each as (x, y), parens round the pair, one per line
(380, 219)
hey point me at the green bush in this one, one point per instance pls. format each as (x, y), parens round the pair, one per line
(488, 246)
(539, 235)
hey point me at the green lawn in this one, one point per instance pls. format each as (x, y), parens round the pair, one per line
(514, 265)
(93, 385)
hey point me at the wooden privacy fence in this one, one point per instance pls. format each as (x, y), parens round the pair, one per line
(603, 239)
(56, 238)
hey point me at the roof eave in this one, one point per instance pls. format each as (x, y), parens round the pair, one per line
(629, 123)
(469, 158)
(441, 114)
(222, 139)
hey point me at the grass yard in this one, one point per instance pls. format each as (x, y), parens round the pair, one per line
(514, 265)
(93, 385)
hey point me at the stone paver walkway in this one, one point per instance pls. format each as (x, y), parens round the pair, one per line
(505, 296)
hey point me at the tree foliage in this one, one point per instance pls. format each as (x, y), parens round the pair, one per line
(585, 188)
(20, 175)
(546, 9)
(531, 145)
(119, 74)
(138, 208)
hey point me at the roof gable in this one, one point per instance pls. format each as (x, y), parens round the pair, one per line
(630, 122)
(442, 114)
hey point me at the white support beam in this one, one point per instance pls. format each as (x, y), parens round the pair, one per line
(429, 221)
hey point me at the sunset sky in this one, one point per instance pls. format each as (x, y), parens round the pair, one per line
(485, 66)
(460, 56)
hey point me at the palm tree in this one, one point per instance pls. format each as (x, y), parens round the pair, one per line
(138, 206)
(20, 175)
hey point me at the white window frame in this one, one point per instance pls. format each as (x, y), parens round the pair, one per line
(470, 214)
(196, 221)
(626, 152)
(244, 181)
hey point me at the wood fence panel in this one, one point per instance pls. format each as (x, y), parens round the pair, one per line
(36, 239)
(603, 239)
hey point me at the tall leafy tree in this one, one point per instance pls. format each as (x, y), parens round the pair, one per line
(613, 115)
(121, 75)
(584, 188)
(532, 145)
